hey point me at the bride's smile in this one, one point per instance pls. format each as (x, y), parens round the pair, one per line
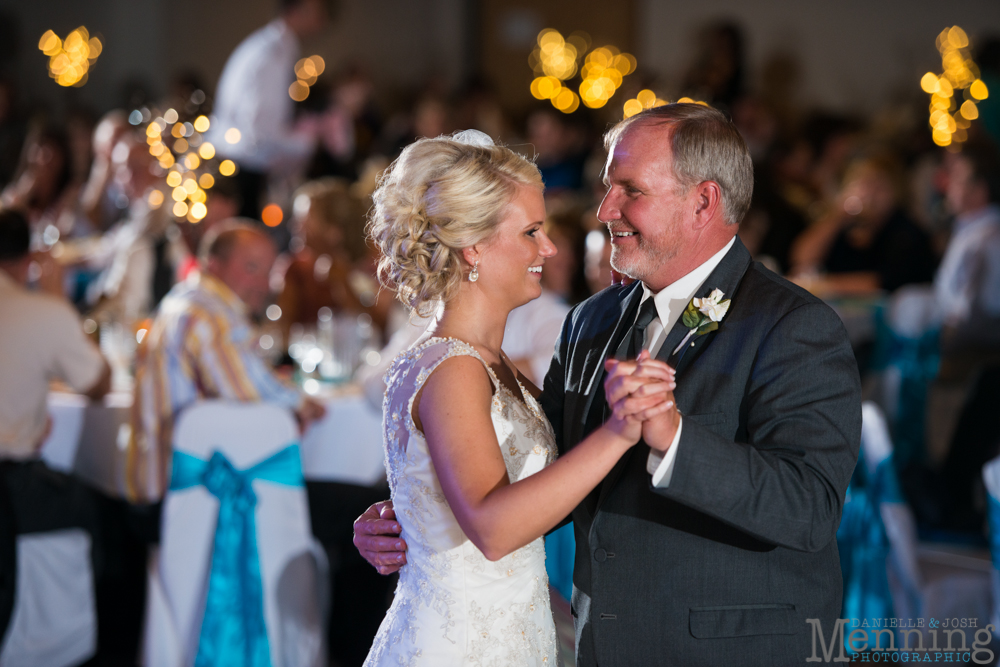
(510, 264)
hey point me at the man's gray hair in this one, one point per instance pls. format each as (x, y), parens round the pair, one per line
(706, 146)
(224, 236)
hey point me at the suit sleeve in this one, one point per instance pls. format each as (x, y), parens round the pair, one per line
(553, 398)
(786, 485)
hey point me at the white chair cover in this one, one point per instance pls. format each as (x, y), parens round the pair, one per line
(900, 525)
(991, 479)
(951, 595)
(292, 566)
(54, 622)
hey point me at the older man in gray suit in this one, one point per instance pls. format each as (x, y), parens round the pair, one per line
(712, 541)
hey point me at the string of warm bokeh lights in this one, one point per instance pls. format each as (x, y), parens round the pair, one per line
(307, 72)
(950, 120)
(70, 60)
(647, 99)
(186, 158)
(556, 60)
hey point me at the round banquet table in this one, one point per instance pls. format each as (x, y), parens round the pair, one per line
(89, 439)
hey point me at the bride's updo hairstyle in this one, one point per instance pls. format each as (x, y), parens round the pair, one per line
(440, 196)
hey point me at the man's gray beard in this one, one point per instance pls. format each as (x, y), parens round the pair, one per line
(640, 264)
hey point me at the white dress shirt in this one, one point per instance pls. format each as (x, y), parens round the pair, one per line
(252, 96)
(969, 275)
(670, 304)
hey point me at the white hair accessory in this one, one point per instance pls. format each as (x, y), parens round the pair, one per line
(473, 138)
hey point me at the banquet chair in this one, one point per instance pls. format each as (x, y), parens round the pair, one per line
(54, 621)
(238, 577)
(991, 479)
(905, 362)
(953, 591)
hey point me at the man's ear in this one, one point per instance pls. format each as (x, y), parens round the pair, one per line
(707, 203)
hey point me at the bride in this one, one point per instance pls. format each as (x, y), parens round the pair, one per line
(471, 458)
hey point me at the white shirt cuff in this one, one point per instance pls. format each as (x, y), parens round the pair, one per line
(661, 465)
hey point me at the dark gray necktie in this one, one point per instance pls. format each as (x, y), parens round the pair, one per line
(647, 313)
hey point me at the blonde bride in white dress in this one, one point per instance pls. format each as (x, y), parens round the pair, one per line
(471, 458)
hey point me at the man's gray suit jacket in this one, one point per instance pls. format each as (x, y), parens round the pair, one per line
(724, 566)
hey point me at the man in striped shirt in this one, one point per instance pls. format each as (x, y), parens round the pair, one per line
(201, 346)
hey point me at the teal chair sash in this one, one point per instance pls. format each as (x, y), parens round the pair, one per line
(993, 515)
(864, 545)
(233, 631)
(917, 360)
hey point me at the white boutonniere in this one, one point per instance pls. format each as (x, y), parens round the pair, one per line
(703, 315)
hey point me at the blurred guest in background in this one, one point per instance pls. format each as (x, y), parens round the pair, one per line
(564, 274)
(43, 186)
(11, 131)
(866, 242)
(967, 286)
(222, 204)
(41, 339)
(252, 97)
(345, 127)
(559, 149)
(201, 346)
(597, 261)
(139, 258)
(330, 226)
(102, 201)
(717, 75)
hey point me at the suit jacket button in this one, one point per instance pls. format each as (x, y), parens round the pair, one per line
(600, 555)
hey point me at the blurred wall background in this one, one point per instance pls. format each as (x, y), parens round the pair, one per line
(850, 54)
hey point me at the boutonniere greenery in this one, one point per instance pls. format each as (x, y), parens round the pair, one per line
(703, 315)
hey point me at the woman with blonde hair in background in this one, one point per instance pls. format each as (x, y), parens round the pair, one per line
(470, 455)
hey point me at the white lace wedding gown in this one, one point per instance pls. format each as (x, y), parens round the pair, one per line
(452, 605)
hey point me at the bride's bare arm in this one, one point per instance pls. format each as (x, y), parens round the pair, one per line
(453, 411)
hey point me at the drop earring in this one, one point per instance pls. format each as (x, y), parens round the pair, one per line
(474, 274)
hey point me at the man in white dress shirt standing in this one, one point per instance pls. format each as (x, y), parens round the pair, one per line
(252, 97)
(967, 284)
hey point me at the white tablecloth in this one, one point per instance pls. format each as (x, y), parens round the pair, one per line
(89, 440)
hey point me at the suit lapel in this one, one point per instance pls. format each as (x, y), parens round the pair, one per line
(605, 344)
(726, 277)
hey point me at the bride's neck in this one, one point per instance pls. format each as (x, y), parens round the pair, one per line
(473, 319)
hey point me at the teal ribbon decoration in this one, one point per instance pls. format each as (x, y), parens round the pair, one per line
(233, 632)
(864, 545)
(918, 360)
(993, 516)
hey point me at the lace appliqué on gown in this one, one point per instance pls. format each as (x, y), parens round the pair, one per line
(452, 605)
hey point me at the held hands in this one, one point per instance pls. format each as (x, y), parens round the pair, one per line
(641, 394)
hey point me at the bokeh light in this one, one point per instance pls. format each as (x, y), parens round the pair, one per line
(949, 117)
(155, 199)
(198, 211)
(556, 59)
(70, 60)
(233, 136)
(227, 167)
(644, 99)
(271, 215)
